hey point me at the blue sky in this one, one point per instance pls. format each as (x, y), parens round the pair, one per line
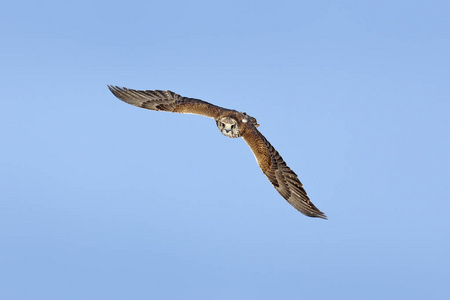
(102, 200)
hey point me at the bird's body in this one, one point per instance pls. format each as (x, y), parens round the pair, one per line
(233, 124)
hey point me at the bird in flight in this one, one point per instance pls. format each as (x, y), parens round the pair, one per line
(232, 124)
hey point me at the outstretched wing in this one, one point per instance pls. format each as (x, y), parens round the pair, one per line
(280, 175)
(166, 101)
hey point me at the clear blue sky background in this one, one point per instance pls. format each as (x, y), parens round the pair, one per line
(102, 200)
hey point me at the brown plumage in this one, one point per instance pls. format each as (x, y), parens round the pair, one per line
(232, 124)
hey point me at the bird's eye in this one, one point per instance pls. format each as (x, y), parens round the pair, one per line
(232, 126)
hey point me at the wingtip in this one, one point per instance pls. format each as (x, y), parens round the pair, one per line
(318, 214)
(322, 216)
(116, 90)
(113, 87)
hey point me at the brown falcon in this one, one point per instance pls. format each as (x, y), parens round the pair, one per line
(233, 124)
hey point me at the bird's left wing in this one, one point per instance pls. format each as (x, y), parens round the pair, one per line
(279, 174)
(166, 101)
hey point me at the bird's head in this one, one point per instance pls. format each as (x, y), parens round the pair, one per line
(229, 127)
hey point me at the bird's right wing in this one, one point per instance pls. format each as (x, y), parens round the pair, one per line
(166, 101)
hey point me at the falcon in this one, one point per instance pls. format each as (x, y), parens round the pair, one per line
(232, 124)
